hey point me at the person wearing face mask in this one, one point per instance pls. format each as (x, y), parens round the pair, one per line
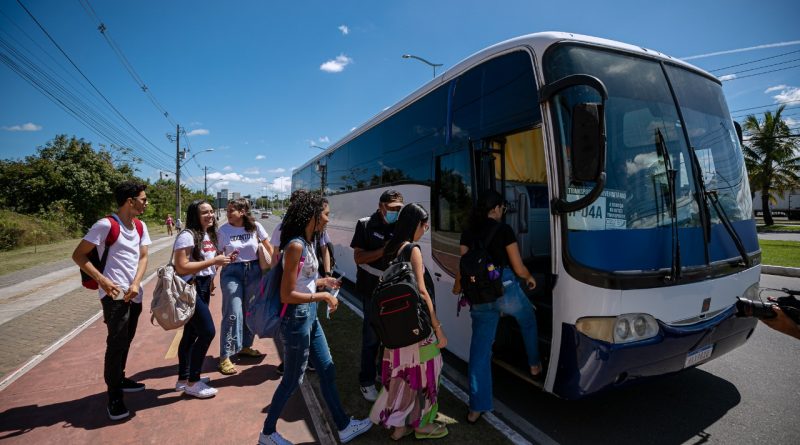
(371, 235)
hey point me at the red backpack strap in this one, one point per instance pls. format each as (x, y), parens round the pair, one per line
(113, 233)
(139, 227)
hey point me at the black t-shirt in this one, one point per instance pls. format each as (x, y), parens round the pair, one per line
(373, 233)
(504, 236)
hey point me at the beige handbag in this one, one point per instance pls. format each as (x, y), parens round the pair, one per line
(264, 258)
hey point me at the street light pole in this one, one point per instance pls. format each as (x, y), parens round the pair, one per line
(178, 172)
(434, 65)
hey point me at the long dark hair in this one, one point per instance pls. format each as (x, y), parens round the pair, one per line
(479, 215)
(243, 205)
(198, 231)
(302, 208)
(411, 215)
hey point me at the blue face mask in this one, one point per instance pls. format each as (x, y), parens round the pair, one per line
(391, 217)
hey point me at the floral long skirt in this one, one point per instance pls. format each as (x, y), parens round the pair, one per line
(410, 393)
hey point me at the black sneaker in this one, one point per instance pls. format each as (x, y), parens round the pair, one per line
(129, 385)
(279, 369)
(117, 410)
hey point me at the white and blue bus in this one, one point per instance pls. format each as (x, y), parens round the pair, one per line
(627, 189)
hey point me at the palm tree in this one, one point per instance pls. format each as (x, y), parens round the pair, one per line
(772, 158)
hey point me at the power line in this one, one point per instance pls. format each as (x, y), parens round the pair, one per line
(765, 106)
(754, 61)
(125, 62)
(84, 75)
(758, 74)
(762, 67)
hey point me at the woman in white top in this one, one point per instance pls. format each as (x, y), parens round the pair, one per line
(239, 238)
(300, 331)
(197, 260)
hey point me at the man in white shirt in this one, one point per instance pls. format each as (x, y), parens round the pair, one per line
(119, 285)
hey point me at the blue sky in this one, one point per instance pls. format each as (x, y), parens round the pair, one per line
(261, 81)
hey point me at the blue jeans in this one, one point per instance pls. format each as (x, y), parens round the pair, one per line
(239, 282)
(485, 317)
(197, 333)
(303, 339)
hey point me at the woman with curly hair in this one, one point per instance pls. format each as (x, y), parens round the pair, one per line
(303, 339)
(409, 399)
(197, 260)
(239, 238)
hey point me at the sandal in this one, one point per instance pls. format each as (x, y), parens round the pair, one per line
(473, 422)
(250, 352)
(226, 367)
(405, 434)
(437, 433)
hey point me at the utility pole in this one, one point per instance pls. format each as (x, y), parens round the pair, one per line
(205, 182)
(178, 172)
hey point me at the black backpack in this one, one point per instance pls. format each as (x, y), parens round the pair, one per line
(397, 311)
(480, 278)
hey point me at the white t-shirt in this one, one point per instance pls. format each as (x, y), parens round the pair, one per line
(231, 238)
(123, 255)
(209, 251)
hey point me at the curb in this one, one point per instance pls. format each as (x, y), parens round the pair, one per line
(793, 272)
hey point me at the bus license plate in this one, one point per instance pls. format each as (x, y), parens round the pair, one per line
(699, 355)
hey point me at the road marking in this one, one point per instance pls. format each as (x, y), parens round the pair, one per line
(172, 351)
(36, 359)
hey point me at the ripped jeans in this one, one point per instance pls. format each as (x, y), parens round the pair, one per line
(239, 283)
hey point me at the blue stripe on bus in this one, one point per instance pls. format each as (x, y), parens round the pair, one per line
(587, 366)
(651, 249)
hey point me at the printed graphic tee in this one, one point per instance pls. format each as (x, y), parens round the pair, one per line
(123, 255)
(231, 238)
(209, 251)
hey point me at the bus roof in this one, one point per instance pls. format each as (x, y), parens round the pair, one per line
(539, 42)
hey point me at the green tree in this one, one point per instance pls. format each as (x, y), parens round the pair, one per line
(65, 170)
(771, 157)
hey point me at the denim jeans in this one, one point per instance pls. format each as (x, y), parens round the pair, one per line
(485, 317)
(370, 344)
(239, 283)
(197, 333)
(303, 339)
(121, 319)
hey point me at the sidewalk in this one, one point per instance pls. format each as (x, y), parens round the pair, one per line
(62, 399)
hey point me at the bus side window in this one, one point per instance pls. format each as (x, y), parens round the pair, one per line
(451, 203)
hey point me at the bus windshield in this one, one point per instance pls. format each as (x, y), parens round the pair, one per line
(632, 227)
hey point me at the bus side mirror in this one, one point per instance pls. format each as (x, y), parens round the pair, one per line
(588, 142)
(739, 133)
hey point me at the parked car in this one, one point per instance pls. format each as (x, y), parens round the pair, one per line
(264, 215)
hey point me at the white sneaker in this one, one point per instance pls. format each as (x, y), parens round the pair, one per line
(272, 439)
(180, 386)
(355, 428)
(200, 390)
(369, 393)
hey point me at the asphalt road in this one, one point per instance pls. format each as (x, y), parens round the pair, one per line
(748, 396)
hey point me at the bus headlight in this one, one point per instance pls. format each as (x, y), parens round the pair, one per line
(624, 328)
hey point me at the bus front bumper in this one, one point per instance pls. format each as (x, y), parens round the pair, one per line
(588, 366)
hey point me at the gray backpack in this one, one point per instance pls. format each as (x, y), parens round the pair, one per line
(173, 299)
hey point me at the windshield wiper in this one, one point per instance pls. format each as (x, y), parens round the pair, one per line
(661, 149)
(713, 195)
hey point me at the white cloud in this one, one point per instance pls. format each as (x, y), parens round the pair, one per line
(344, 29)
(251, 171)
(336, 65)
(739, 50)
(260, 157)
(198, 132)
(30, 126)
(195, 124)
(324, 140)
(775, 88)
(786, 94)
(276, 170)
(727, 77)
(791, 122)
(282, 184)
(227, 168)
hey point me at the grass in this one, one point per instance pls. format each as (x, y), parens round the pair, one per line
(779, 228)
(780, 253)
(29, 256)
(343, 334)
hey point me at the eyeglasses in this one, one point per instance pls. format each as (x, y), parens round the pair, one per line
(143, 200)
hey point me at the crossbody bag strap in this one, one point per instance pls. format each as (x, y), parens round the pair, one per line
(490, 236)
(175, 243)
